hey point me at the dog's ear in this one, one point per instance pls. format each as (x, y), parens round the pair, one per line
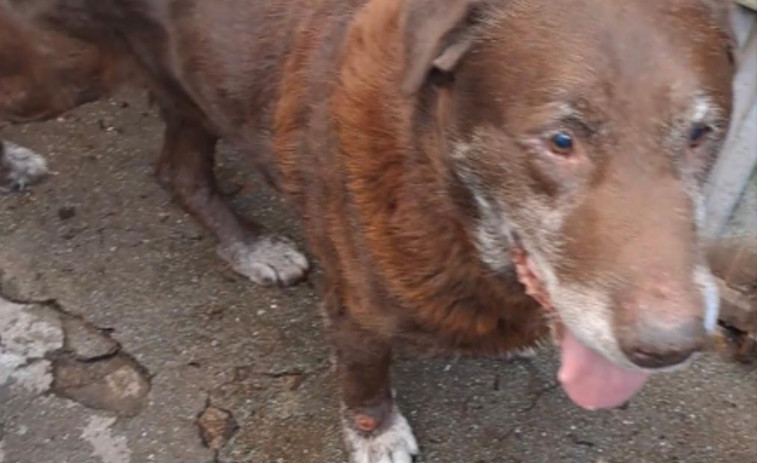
(437, 34)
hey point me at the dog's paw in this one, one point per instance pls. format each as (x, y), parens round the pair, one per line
(269, 260)
(394, 442)
(19, 167)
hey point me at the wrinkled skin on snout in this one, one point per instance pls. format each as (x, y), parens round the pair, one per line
(591, 159)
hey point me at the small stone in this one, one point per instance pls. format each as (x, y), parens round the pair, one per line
(87, 342)
(69, 235)
(65, 213)
(215, 312)
(217, 426)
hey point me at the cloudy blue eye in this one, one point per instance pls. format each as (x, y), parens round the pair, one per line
(562, 143)
(698, 135)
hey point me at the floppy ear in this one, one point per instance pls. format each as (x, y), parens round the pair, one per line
(437, 34)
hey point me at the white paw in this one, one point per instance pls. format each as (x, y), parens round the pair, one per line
(393, 443)
(19, 167)
(269, 260)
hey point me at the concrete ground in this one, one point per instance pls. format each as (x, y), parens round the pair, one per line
(124, 339)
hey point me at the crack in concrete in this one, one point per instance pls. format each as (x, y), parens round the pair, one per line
(537, 396)
(48, 350)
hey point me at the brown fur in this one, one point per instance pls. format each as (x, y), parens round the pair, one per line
(430, 273)
(352, 109)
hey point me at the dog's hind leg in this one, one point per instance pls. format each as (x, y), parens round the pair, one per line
(186, 168)
(19, 167)
(374, 429)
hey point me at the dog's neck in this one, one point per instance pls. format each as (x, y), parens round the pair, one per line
(435, 269)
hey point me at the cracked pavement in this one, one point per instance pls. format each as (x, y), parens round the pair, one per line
(124, 339)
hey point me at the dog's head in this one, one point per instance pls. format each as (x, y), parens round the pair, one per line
(44, 70)
(582, 131)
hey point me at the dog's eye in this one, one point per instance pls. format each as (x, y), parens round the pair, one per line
(698, 135)
(439, 78)
(562, 143)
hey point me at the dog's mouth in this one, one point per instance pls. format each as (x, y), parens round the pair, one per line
(589, 378)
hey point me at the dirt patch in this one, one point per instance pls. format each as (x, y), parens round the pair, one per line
(117, 383)
(217, 426)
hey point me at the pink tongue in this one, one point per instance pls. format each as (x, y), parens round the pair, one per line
(592, 381)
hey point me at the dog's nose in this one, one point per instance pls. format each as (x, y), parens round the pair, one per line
(658, 345)
(652, 359)
(662, 331)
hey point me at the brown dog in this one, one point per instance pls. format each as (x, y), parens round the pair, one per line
(447, 156)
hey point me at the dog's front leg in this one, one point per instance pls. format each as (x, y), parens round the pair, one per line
(374, 429)
(186, 169)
